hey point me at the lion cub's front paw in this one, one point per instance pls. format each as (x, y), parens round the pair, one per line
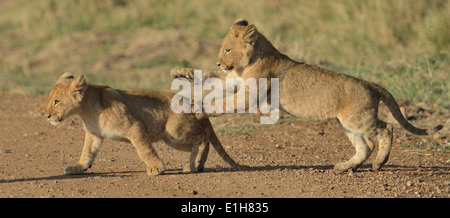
(73, 170)
(342, 167)
(156, 169)
(187, 73)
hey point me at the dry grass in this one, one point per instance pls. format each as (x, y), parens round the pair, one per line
(404, 45)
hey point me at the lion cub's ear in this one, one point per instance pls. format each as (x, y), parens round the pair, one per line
(251, 34)
(240, 22)
(64, 77)
(78, 86)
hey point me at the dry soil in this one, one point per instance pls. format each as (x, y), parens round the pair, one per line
(290, 159)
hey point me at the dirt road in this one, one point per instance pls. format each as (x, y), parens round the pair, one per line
(290, 159)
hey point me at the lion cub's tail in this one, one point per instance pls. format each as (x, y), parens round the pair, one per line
(222, 153)
(389, 100)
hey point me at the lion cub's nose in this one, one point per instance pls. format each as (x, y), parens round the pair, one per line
(218, 63)
(48, 117)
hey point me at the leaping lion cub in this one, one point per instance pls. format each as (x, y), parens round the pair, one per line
(311, 92)
(136, 116)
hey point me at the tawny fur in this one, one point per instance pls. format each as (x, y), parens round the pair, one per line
(311, 92)
(140, 117)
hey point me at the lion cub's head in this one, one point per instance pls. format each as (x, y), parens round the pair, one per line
(65, 98)
(238, 46)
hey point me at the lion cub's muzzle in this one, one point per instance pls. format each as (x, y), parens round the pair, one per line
(54, 120)
(224, 67)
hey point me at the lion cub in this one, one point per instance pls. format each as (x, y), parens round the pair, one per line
(311, 92)
(136, 116)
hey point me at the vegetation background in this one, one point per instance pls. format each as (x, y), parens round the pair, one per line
(404, 45)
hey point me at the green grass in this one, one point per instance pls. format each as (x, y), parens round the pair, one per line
(403, 45)
(420, 145)
(242, 125)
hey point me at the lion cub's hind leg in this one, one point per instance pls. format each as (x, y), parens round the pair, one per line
(184, 132)
(202, 156)
(197, 159)
(361, 133)
(363, 150)
(360, 127)
(384, 134)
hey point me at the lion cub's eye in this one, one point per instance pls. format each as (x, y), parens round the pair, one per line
(227, 51)
(56, 102)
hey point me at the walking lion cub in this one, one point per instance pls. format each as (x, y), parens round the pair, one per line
(136, 116)
(310, 92)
